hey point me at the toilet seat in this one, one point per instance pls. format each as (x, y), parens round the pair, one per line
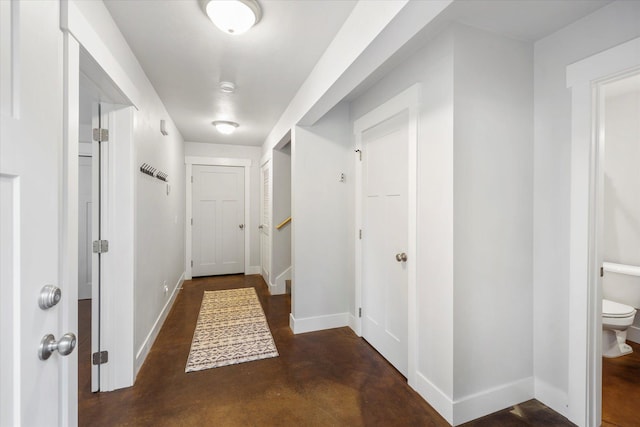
(616, 310)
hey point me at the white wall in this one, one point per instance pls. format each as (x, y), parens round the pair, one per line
(321, 231)
(281, 239)
(199, 149)
(474, 218)
(159, 218)
(432, 66)
(605, 28)
(493, 212)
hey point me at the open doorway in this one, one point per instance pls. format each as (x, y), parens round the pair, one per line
(280, 280)
(105, 217)
(588, 80)
(619, 176)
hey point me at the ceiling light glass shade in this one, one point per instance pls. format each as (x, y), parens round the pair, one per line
(225, 127)
(233, 16)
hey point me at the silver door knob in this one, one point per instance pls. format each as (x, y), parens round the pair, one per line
(241, 226)
(49, 344)
(402, 257)
(49, 296)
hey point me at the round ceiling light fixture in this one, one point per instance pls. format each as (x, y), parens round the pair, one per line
(233, 16)
(225, 127)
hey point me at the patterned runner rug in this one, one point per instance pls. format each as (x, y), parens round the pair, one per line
(231, 329)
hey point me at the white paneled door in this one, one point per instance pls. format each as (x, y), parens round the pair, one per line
(33, 391)
(218, 220)
(385, 239)
(85, 211)
(265, 221)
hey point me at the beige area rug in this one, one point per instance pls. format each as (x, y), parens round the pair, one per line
(231, 329)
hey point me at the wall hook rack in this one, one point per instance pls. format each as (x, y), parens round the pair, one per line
(147, 169)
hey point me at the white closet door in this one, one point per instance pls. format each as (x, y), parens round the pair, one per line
(385, 238)
(218, 220)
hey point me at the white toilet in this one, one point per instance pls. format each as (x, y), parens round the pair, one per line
(621, 293)
(616, 318)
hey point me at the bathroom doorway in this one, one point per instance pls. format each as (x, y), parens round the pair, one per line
(587, 80)
(619, 156)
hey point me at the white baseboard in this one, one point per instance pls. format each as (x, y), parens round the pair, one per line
(492, 400)
(435, 397)
(153, 333)
(552, 397)
(477, 405)
(633, 334)
(318, 323)
(253, 269)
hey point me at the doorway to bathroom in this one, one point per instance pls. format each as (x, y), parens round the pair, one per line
(588, 80)
(618, 136)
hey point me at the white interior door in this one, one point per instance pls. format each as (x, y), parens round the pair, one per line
(385, 239)
(30, 213)
(99, 197)
(265, 221)
(85, 212)
(218, 220)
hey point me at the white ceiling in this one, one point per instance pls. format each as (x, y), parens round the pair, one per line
(527, 20)
(185, 57)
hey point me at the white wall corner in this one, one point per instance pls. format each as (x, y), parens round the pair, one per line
(353, 324)
(142, 353)
(435, 397)
(318, 323)
(252, 269)
(552, 397)
(495, 399)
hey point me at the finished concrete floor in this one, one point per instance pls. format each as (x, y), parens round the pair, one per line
(325, 378)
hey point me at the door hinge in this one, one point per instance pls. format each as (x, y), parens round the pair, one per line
(101, 135)
(601, 271)
(359, 154)
(191, 221)
(360, 312)
(191, 263)
(360, 234)
(100, 246)
(191, 178)
(100, 358)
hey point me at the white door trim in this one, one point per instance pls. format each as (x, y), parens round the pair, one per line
(217, 161)
(118, 337)
(584, 78)
(408, 100)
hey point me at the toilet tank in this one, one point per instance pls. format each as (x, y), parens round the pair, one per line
(621, 288)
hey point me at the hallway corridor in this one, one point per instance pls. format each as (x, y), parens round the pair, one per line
(326, 378)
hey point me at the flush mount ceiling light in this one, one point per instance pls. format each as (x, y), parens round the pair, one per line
(232, 16)
(225, 127)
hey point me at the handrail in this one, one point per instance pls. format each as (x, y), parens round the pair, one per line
(630, 270)
(283, 223)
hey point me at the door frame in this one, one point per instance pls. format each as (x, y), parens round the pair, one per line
(216, 161)
(82, 46)
(585, 79)
(406, 101)
(266, 273)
